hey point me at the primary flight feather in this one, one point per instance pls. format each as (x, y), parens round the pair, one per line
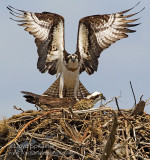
(95, 34)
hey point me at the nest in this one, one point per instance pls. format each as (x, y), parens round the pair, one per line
(69, 133)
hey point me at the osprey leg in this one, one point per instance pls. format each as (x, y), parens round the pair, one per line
(61, 86)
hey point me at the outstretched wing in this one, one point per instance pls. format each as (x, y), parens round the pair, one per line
(48, 30)
(98, 32)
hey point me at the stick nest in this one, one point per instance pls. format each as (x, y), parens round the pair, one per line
(76, 134)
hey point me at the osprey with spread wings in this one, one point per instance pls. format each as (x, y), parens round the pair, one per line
(95, 33)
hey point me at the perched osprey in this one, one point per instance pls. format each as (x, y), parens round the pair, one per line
(95, 33)
(89, 101)
(46, 102)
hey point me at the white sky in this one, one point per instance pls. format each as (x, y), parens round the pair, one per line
(126, 60)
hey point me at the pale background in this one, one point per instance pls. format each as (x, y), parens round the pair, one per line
(126, 60)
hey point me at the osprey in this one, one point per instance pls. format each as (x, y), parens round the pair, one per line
(89, 101)
(46, 102)
(95, 34)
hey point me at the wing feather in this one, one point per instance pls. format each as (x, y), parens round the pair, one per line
(48, 30)
(98, 32)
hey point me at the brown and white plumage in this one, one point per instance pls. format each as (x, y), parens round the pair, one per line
(53, 91)
(47, 102)
(48, 30)
(95, 33)
(89, 101)
(98, 32)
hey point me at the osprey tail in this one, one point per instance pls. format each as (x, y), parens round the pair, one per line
(53, 91)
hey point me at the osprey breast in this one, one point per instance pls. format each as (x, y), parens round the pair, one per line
(70, 77)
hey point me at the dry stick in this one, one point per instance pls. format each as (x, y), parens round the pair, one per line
(126, 119)
(126, 145)
(125, 141)
(19, 134)
(110, 101)
(118, 107)
(121, 112)
(27, 149)
(111, 139)
(20, 109)
(133, 93)
(34, 130)
(91, 110)
(141, 98)
(85, 135)
(147, 101)
(132, 153)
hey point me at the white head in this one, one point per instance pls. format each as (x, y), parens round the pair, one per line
(72, 61)
(96, 96)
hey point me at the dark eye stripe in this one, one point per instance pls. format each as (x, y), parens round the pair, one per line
(97, 96)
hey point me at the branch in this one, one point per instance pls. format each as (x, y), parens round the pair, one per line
(91, 110)
(133, 130)
(111, 139)
(133, 94)
(20, 109)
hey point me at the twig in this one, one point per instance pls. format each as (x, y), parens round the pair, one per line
(25, 157)
(110, 101)
(18, 155)
(20, 109)
(141, 98)
(120, 111)
(132, 153)
(6, 154)
(19, 134)
(126, 119)
(83, 138)
(147, 101)
(71, 111)
(133, 94)
(91, 110)
(37, 107)
(62, 146)
(70, 131)
(118, 107)
(19, 146)
(111, 139)
(126, 145)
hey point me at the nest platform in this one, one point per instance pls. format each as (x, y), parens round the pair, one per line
(73, 134)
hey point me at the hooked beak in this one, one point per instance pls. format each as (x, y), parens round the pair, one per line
(102, 97)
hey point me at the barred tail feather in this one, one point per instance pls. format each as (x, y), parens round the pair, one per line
(53, 91)
(82, 91)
